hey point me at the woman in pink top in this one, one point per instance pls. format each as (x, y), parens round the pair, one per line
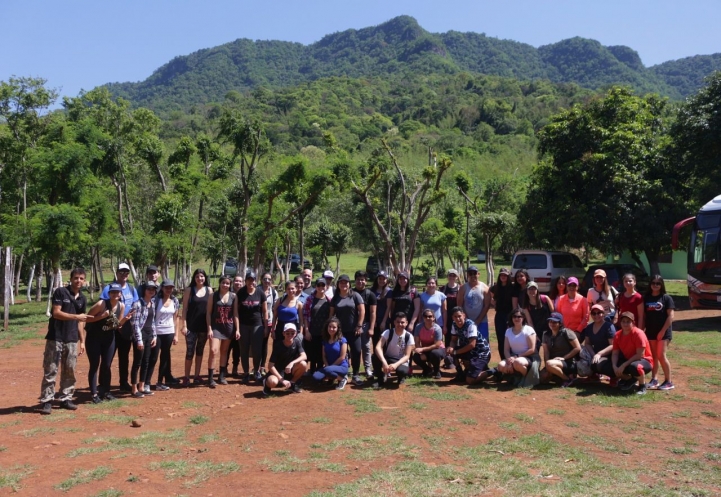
(430, 349)
(573, 307)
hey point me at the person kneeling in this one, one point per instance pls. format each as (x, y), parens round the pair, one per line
(520, 350)
(394, 350)
(288, 356)
(469, 349)
(630, 342)
(335, 352)
(560, 349)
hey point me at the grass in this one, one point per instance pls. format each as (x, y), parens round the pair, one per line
(331, 467)
(468, 421)
(711, 414)
(613, 398)
(194, 472)
(602, 443)
(710, 383)
(109, 405)
(556, 412)
(110, 492)
(190, 405)
(504, 425)
(524, 417)
(198, 419)
(82, 476)
(11, 477)
(372, 447)
(111, 418)
(418, 406)
(33, 432)
(321, 420)
(363, 403)
(149, 442)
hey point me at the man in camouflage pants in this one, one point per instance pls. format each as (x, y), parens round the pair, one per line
(65, 341)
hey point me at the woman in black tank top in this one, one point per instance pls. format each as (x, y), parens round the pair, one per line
(195, 329)
(222, 321)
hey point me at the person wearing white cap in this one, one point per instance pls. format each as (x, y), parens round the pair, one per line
(124, 336)
(328, 275)
(288, 362)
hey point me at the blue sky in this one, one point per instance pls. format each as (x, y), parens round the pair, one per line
(80, 44)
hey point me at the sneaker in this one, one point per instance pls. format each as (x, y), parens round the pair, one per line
(146, 390)
(186, 381)
(357, 380)
(126, 387)
(653, 384)
(46, 408)
(376, 385)
(266, 390)
(641, 390)
(172, 381)
(627, 385)
(568, 383)
(666, 385)
(258, 376)
(197, 380)
(96, 399)
(109, 396)
(138, 394)
(296, 388)
(437, 376)
(162, 388)
(69, 405)
(341, 384)
(401, 381)
(212, 383)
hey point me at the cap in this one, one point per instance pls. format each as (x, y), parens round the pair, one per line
(472, 268)
(572, 281)
(151, 284)
(556, 316)
(599, 272)
(382, 274)
(404, 274)
(123, 266)
(629, 315)
(152, 268)
(532, 284)
(344, 277)
(598, 307)
(320, 281)
(452, 272)
(504, 271)
(167, 283)
(250, 275)
(328, 274)
(115, 287)
(289, 326)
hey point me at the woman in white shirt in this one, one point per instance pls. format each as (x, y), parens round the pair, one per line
(167, 310)
(519, 345)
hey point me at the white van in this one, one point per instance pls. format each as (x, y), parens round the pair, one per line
(543, 266)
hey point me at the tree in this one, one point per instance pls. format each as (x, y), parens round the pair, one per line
(604, 181)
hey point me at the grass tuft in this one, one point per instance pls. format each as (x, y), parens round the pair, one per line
(199, 419)
(81, 476)
(11, 477)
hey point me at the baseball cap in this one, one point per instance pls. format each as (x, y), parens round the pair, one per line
(115, 287)
(328, 274)
(151, 284)
(151, 268)
(382, 273)
(556, 316)
(167, 283)
(123, 267)
(629, 315)
(320, 281)
(452, 272)
(532, 284)
(344, 277)
(504, 270)
(404, 274)
(289, 326)
(472, 268)
(572, 281)
(250, 275)
(597, 307)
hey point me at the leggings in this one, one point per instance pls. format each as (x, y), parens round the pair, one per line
(331, 372)
(500, 323)
(635, 369)
(141, 359)
(123, 346)
(314, 351)
(100, 347)
(433, 360)
(195, 342)
(164, 344)
(252, 342)
(355, 349)
(235, 350)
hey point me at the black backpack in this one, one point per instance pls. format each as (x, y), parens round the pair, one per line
(407, 338)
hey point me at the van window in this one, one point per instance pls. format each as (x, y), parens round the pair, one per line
(562, 261)
(530, 261)
(577, 262)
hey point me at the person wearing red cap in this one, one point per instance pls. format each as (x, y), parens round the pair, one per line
(573, 307)
(631, 357)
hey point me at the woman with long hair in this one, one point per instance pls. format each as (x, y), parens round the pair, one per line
(560, 350)
(630, 300)
(104, 319)
(432, 300)
(222, 321)
(316, 311)
(348, 306)
(195, 328)
(167, 310)
(335, 353)
(520, 280)
(271, 297)
(502, 293)
(144, 340)
(538, 309)
(519, 345)
(659, 309)
(559, 286)
(598, 341)
(602, 294)
(402, 299)
(430, 349)
(288, 309)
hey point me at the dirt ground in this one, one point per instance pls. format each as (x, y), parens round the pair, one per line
(267, 438)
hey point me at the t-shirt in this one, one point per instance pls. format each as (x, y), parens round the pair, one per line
(540, 315)
(165, 316)
(655, 310)
(369, 299)
(403, 302)
(606, 301)
(283, 354)
(451, 300)
(346, 311)
(520, 294)
(519, 343)
(61, 330)
(560, 344)
(473, 298)
(397, 344)
(575, 312)
(250, 310)
(599, 340)
(434, 303)
(627, 344)
(425, 337)
(128, 296)
(333, 350)
(630, 304)
(468, 332)
(503, 295)
(382, 305)
(319, 312)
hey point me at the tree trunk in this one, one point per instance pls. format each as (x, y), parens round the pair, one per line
(30, 283)
(489, 261)
(18, 271)
(301, 240)
(50, 294)
(653, 262)
(133, 274)
(637, 260)
(39, 284)
(100, 268)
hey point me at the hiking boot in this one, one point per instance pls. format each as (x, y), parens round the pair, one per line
(46, 408)
(641, 390)
(69, 405)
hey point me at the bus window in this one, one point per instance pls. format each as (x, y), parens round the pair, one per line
(706, 248)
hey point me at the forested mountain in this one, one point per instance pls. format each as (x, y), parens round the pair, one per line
(402, 46)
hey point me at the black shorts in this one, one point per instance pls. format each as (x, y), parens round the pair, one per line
(476, 365)
(569, 366)
(654, 336)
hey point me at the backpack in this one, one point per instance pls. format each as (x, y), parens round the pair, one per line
(407, 337)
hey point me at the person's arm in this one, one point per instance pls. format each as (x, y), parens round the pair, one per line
(549, 302)
(529, 320)
(486, 305)
(209, 316)
(176, 324)
(666, 324)
(361, 316)
(81, 338)
(614, 359)
(444, 312)
(264, 315)
(299, 310)
(584, 316)
(137, 325)
(276, 304)
(546, 352)
(65, 316)
(452, 346)
(641, 315)
(186, 299)
(575, 351)
(97, 312)
(372, 308)
(507, 349)
(417, 305)
(467, 347)
(325, 360)
(390, 305)
(236, 318)
(341, 357)
(460, 299)
(332, 310)
(514, 302)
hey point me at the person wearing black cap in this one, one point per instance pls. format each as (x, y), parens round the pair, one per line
(124, 336)
(382, 291)
(371, 305)
(316, 312)
(349, 308)
(144, 340)
(167, 325)
(151, 274)
(104, 319)
(560, 350)
(252, 318)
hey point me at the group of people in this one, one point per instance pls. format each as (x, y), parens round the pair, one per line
(326, 332)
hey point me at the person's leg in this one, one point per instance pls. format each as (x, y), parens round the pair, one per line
(123, 346)
(272, 381)
(164, 344)
(213, 351)
(500, 324)
(555, 368)
(224, 354)
(263, 354)
(366, 347)
(298, 371)
(654, 354)
(135, 369)
(662, 347)
(51, 360)
(435, 357)
(190, 344)
(145, 360)
(520, 365)
(354, 344)
(604, 366)
(402, 373)
(422, 363)
(477, 371)
(107, 351)
(69, 358)
(246, 335)
(376, 363)
(504, 367)
(152, 361)
(259, 347)
(199, 350)
(93, 351)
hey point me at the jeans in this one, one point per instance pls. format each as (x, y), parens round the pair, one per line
(58, 355)
(123, 344)
(367, 348)
(331, 372)
(141, 359)
(100, 347)
(165, 342)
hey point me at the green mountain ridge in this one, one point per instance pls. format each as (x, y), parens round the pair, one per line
(401, 46)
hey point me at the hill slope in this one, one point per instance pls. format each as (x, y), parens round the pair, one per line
(402, 46)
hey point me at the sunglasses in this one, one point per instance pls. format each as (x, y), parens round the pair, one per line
(596, 313)
(124, 271)
(517, 317)
(656, 283)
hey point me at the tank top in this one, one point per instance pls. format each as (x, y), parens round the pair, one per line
(111, 323)
(222, 317)
(197, 310)
(148, 325)
(164, 318)
(287, 314)
(473, 300)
